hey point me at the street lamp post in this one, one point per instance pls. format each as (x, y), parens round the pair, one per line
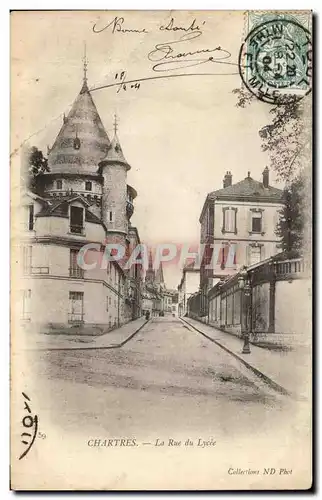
(244, 286)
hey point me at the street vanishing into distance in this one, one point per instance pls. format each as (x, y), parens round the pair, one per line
(167, 378)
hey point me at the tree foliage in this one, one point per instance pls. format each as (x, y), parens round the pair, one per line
(38, 164)
(35, 164)
(290, 227)
(287, 139)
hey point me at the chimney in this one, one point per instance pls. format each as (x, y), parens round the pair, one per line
(266, 177)
(228, 179)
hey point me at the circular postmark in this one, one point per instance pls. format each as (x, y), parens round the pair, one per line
(275, 61)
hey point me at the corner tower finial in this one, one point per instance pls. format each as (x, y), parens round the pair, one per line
(116, 121)
(85, 64)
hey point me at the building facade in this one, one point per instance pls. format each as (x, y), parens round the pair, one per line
(238, 224)
(82, 199)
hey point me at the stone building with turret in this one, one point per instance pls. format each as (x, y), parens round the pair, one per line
(83, 198)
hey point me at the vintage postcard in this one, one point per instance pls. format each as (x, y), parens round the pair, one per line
(161, 291)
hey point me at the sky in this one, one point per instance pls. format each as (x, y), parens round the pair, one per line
(179, 134)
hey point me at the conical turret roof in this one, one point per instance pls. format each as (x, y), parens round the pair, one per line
(82, 141)
(115, 153)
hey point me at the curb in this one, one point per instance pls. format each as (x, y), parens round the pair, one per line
(111, 346)
(257, 372)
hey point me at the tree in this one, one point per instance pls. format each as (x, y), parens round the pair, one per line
(290, 227)
(38, 164)
(35, 164)
(287, 139)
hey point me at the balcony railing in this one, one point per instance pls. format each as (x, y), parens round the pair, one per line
(76, 229)
(76, 318)
(289, 267)
(39, 270)
(76, 272)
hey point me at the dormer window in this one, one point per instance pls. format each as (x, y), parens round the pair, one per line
(77, 143)
(59, 184)
(88, 186)
(76, 220)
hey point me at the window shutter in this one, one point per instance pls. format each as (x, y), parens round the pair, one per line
(263, 252)
(227, 219)
(223, 229)
(263, 222)
(250, 218)
(235, 220)
(247, 255)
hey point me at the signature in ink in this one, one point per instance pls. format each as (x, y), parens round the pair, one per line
(168, 58)
(30, 424)
(171, 26)
(117, 27)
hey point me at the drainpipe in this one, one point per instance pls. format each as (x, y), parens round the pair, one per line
(118, 300)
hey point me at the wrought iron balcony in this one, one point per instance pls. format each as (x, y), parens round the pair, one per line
(76, 272)
(77, 318)
(39, 270)
(76, 229)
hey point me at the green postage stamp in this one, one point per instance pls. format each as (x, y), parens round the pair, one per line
(275, 60)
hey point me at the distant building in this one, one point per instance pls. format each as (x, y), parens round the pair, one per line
(170, 301)
(189, 285)
(83, 198)
(240, 219)
(156, 297)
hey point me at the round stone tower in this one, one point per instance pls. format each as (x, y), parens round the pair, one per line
(79, 147)
(114, 169)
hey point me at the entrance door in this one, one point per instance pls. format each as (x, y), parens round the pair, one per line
(76, 307)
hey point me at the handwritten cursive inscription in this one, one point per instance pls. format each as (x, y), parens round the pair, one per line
(171, 26)
(116, 26)
(169, 59)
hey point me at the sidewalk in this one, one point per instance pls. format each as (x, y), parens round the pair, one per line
(109, 340)
(286, 371)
